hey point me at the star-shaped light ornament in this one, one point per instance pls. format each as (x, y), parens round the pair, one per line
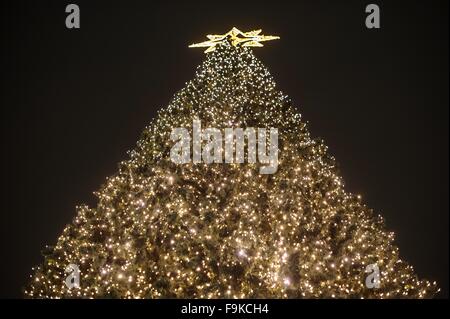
(235, 37)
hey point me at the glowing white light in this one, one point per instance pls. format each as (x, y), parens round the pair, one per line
(242, 253)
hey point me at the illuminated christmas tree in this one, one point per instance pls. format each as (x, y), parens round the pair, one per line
(225, 230)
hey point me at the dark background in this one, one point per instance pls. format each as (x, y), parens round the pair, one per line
(74, 101)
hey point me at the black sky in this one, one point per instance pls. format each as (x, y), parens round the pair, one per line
(74, 101)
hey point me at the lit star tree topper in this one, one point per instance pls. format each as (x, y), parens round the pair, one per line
(235, 37)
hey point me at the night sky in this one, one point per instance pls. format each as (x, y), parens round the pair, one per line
(74, 101)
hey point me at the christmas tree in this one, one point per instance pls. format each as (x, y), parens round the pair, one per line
(224, 229)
